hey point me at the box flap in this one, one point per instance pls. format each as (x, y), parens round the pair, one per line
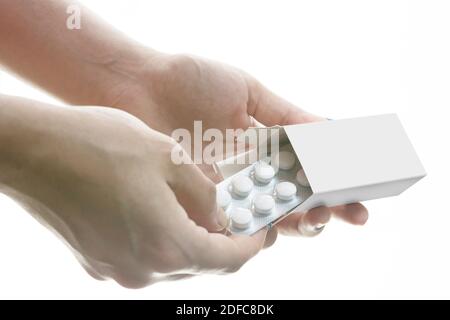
(343, 154)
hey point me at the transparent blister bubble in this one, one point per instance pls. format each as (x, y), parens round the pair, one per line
(281, 207)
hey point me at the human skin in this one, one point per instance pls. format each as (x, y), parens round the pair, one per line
(103, 181)
(98, 65)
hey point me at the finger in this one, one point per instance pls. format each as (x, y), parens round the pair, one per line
(271, 237)
(197, 195)
(125, 273)
(270, 109)
(87, 265)
(210, 172)
(218, 253)
(172, 277)
(306, 224)
(354, 213)
(200, 251)
(91, 271)
(135, 280)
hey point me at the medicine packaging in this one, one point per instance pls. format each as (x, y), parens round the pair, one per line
(318, 164)
(260, 194)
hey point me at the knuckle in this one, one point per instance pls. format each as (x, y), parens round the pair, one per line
(180, 63)
(167, 260)
(233, 268)
(236, 265)
(169, 145)
(163, 253)
(93, 273)
(211, 191)
(173, 156)
(132, 280)
(176, 154)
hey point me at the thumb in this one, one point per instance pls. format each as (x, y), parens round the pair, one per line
(270, 109)
(197, 195)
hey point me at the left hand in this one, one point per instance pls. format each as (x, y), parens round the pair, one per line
(172, 91)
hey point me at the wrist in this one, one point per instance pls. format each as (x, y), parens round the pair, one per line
(130, 70)
(138, 73)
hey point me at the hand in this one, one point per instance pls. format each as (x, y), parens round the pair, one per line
(105, 183)
(173, 91)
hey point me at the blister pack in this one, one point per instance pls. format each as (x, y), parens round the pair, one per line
(264, 192)
(372, 158)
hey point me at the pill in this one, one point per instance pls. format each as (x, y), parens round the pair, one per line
(301, 178)
(284, 161)
(242, 185)
(266, 160)
(264, 172)
(223, 198)
(285, 190)
(263, 204)
(241, 218)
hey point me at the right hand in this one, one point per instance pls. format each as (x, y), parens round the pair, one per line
(106, 184)
(173, 91)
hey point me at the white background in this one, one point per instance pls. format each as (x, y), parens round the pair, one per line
(336, 58)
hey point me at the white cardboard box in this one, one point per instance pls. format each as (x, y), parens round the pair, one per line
(350, 160)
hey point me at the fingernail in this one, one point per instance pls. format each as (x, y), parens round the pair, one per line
(222, 219)
(319, 226)
(309, 230)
